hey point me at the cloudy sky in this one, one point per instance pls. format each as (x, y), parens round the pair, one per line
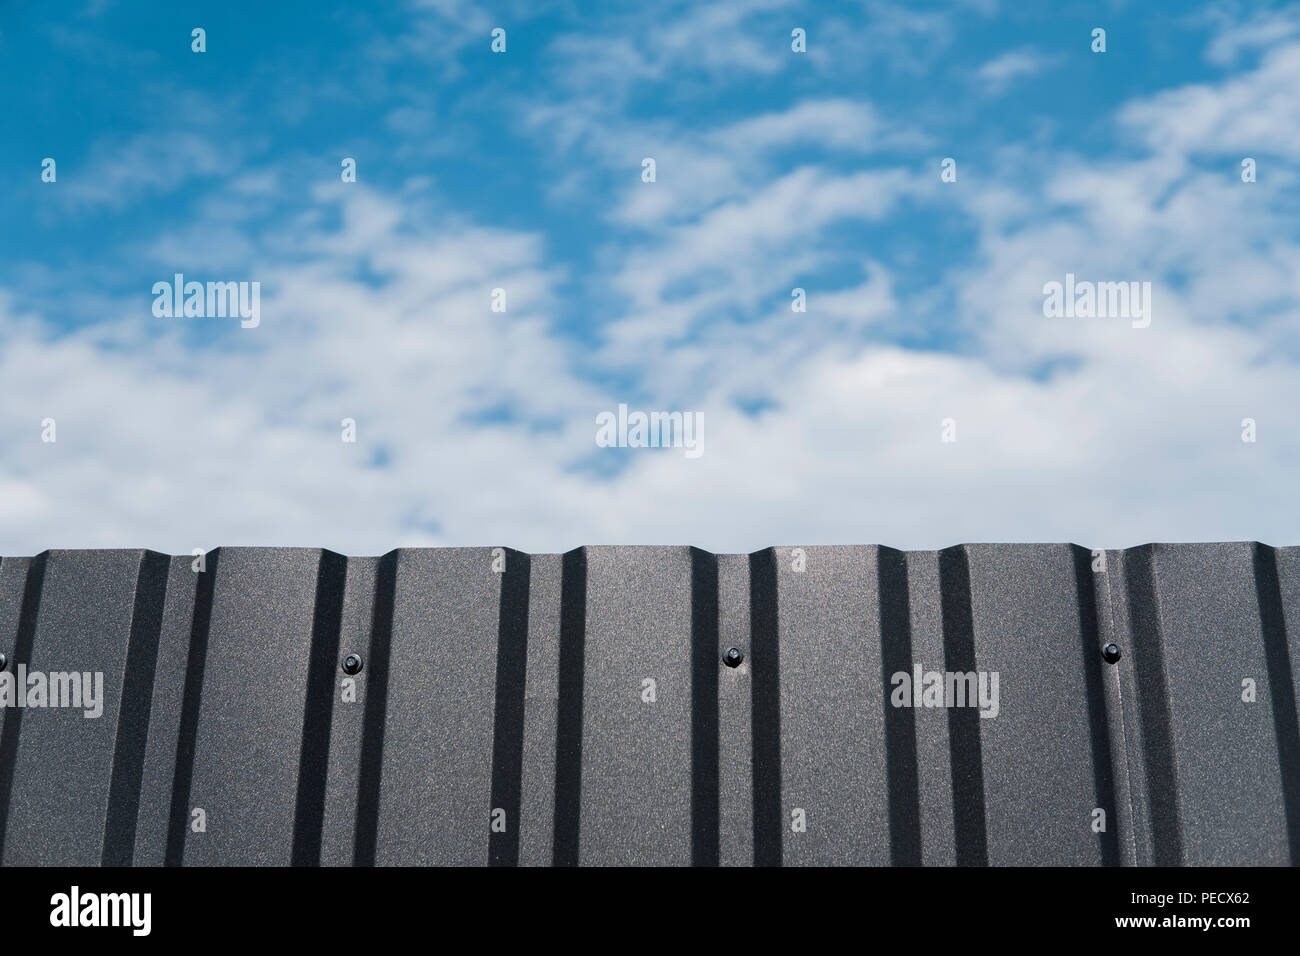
(523, 171)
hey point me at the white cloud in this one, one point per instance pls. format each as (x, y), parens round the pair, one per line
(154, 162)
(827, 124)
(1000, 72)
(717, 38)
(1247, 114)
(1266, 28)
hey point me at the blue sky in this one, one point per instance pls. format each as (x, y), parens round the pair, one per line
(522, 170)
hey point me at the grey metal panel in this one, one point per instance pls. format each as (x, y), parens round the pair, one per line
(249, 735)
(518, 687)
(63, 768)
(1231, 806)
(832, 731)
(434, 798)
(636, 783)
(1045, 755)
(20, 586)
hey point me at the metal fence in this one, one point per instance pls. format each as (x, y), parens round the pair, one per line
(958, 707)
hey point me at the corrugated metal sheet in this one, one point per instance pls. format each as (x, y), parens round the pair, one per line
(524, 691)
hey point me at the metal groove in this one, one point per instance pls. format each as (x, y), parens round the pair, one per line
(900, 722)
(196, 662)
(766, 707)
(133, 717)
(313, 760)
(568, 726)
(1098, 729)
(508, 719)
(1157, 727)
(705, 846)
(963, 722)
(22, 653)
(1281, 687)
(376, 701)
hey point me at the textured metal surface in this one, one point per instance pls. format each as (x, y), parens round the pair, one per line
(527, 691)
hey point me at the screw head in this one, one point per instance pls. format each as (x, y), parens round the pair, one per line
(1110, 653)
(3, 661)
(352, 664)
(733, 657)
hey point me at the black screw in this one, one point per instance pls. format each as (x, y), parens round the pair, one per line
(352, 664)
(733, 657)
(1110, 653)
(3, 661)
